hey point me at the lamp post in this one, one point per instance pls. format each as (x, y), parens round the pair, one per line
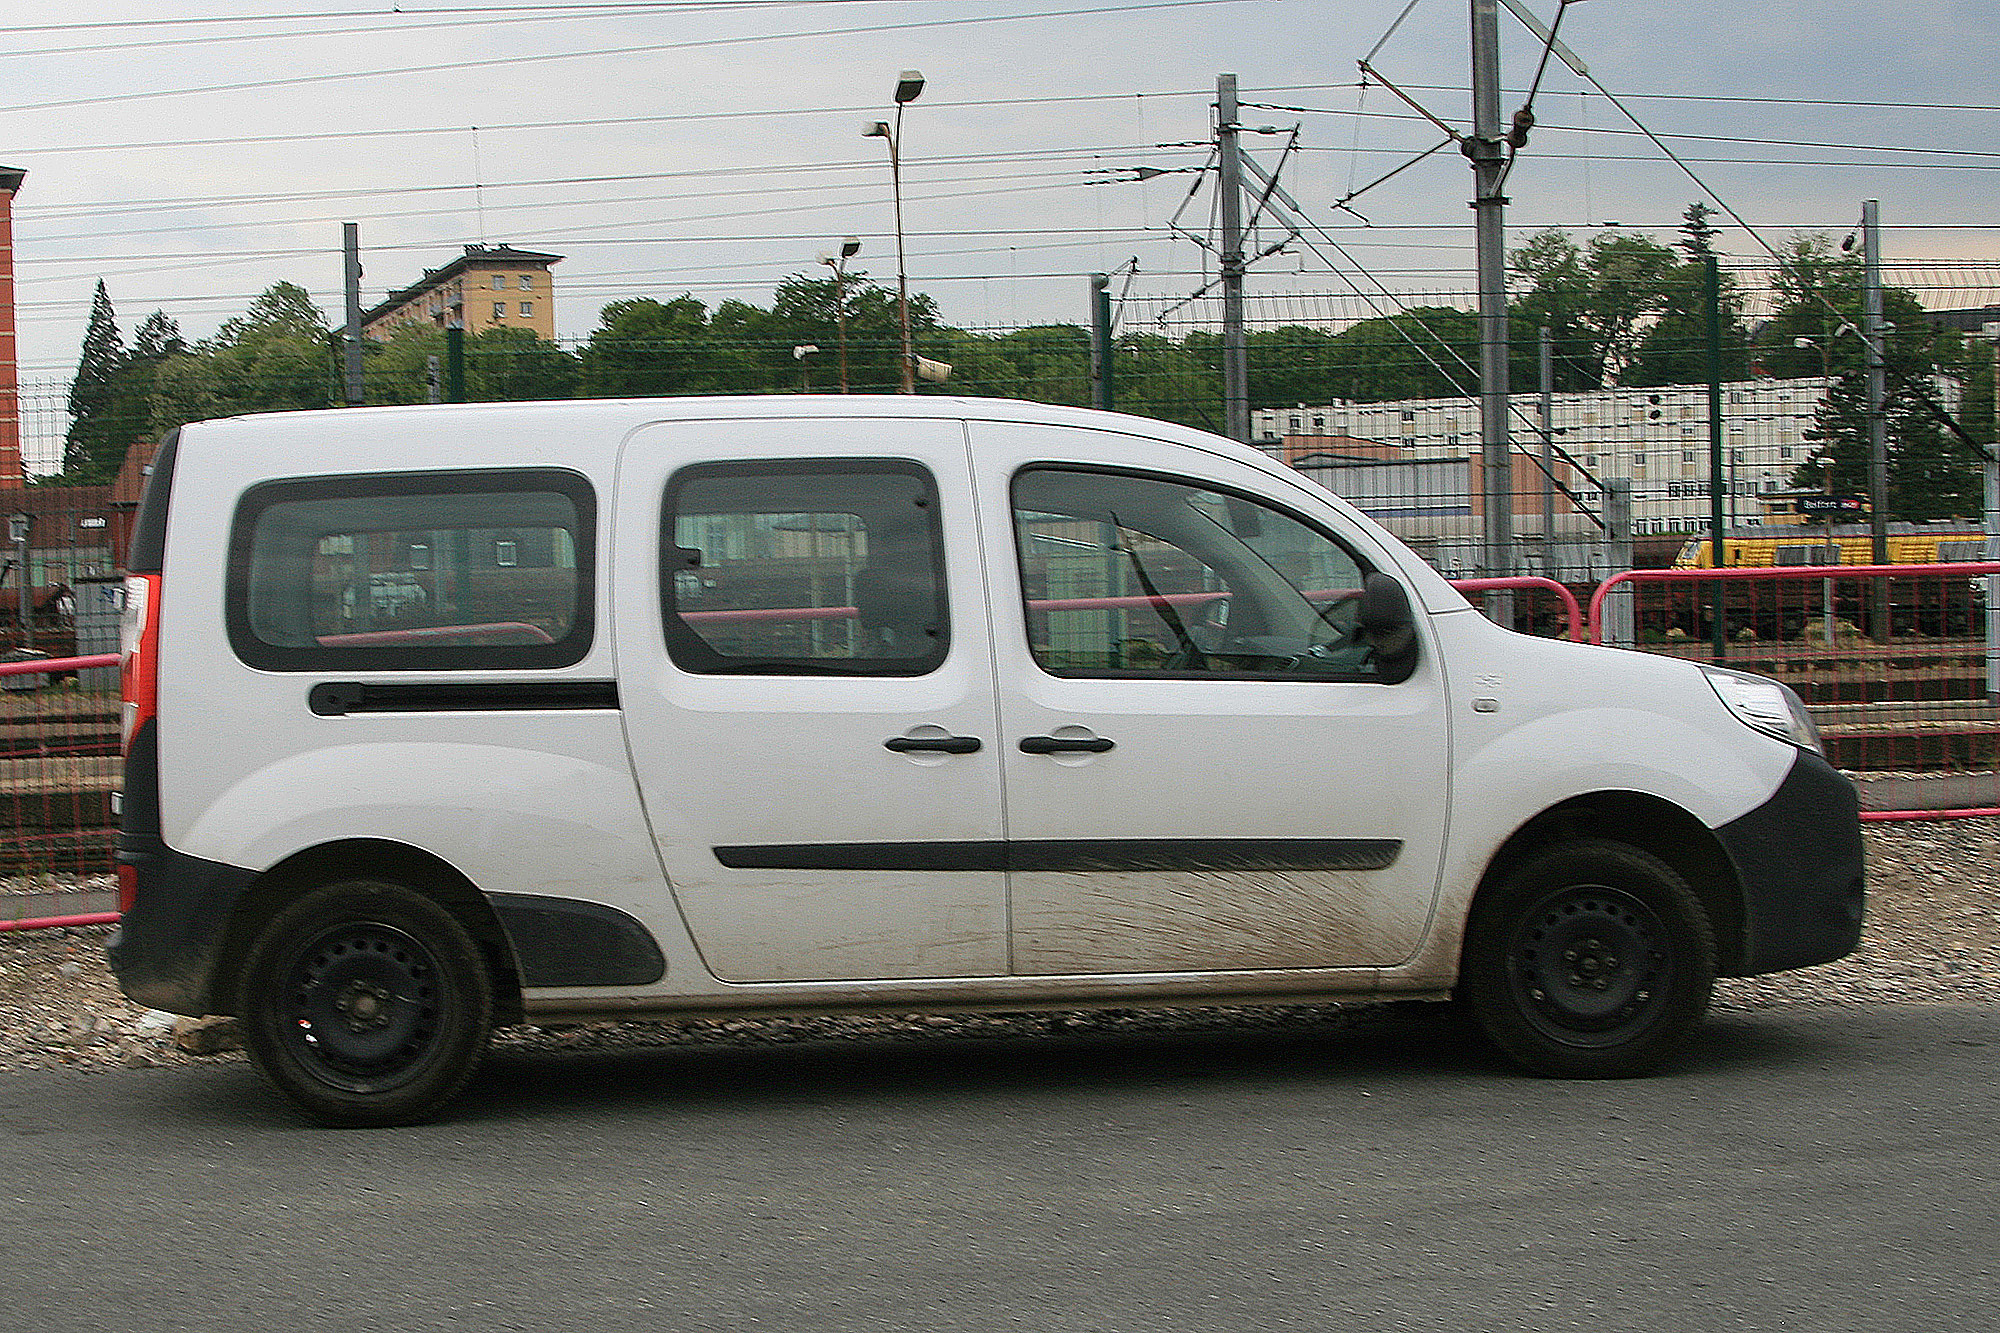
(838, 263)
(908, 86)
(17, 532)
(799, 354)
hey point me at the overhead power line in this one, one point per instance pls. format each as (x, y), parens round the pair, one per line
(461, 67)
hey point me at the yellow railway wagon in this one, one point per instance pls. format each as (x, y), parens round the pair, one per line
(1763, 550)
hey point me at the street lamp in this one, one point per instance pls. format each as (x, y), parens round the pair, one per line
(17, 532)
(908, 86)
(838, 263)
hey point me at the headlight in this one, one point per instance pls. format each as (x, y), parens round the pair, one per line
(1766, 706)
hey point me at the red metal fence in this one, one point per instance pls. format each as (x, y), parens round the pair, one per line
(1893, 662)
(59, 765)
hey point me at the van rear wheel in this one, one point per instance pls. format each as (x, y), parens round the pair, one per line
(1592, 960)
(366, 1003)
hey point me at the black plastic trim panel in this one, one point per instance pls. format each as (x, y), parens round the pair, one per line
(1799, 859)
(1078, 855)
(567, 942)
(165, 950)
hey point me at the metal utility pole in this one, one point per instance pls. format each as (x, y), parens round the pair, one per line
(1878, 442)
(1718, 475)
(454, 364)
(1100, 342)
(1549, 564)
(909, 86)
(1993, 538)
(1618, 626)
(1489, 161)
(351, 243)
(1229, 184)
(838, 263)
(17, 531)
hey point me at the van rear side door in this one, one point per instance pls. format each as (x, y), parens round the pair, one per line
(807, 680)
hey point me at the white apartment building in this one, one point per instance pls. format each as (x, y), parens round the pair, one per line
(1657, 438)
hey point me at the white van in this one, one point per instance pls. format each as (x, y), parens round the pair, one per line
(446, 717)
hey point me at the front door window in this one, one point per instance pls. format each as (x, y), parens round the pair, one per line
(1133, 574)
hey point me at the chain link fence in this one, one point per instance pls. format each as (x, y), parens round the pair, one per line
(1603, 480)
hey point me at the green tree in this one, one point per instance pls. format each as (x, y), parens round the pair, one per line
(1557, 298)
(275, 357)
(1932, 473)
(1597, 301)
(1674, 350)
(104, 417)
(514, 366)
(804, 312)
(1816, 330)
(183, 391)
(1814, 289)
(648, 348)
(396, 369)
(502, 365)
(1048, 363)
(157, 338)
(1157, 377)
(154, 343)
(1423, 352)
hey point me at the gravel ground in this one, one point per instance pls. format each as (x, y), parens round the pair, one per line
(1933, 935)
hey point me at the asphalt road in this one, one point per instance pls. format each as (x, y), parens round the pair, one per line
(1826, 1170)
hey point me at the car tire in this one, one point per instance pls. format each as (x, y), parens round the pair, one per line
(366, 1003)
(1591, 960)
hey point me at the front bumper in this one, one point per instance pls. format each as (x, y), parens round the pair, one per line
(1798, 858)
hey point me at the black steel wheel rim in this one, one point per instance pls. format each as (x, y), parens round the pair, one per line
(1591, 965)
(364, 1007)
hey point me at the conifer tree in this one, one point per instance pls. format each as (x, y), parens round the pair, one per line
(95, 420)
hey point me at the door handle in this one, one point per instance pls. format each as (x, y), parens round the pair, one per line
(934, 744)
(1065, 744)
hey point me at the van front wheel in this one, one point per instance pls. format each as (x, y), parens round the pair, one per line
(1592, 960)
(366, 1003)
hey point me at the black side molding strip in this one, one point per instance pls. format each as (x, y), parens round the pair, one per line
(867, 856)
(338, 698)
(1218, 855)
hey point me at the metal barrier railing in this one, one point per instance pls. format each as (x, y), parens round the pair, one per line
(1571, 611)
(1912, 713)
(59, 764)
(1909, 705)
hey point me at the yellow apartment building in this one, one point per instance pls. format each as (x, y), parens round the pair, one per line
(488, 287)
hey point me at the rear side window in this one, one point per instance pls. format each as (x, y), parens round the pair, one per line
(809, 567)
(414, 571)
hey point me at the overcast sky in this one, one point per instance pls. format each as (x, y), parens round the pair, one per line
(716, 147)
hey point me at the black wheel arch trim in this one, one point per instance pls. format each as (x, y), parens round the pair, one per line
(569, 942)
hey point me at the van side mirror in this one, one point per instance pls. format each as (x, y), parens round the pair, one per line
(1388, 627)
